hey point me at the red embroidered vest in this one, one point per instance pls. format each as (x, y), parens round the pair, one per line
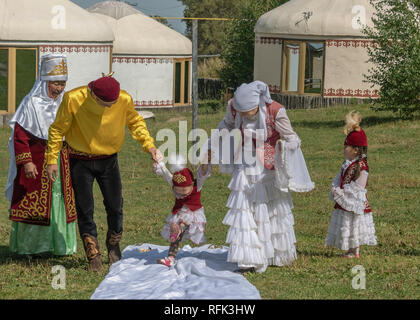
(348, 175)
(192, 201)
(266, 155)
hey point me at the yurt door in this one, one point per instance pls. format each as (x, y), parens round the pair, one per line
(182, 82)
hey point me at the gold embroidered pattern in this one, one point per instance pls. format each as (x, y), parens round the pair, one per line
(179, 178)
(59, 70)
(23, 157)
(35, 206)
(349, 174)
(67, 188)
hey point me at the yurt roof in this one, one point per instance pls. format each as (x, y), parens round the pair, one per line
(23, 20)
(114, 9)
(139, 34)
(324, 18)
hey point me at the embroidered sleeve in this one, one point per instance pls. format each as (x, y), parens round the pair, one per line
(21, 143)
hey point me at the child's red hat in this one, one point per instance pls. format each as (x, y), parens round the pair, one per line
(183, 178)
(356, 138)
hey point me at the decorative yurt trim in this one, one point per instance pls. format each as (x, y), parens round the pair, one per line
(315, 49)
(29, 30)
(151, 61)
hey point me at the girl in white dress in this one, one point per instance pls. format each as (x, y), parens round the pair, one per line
(260, 204)
(351, 222)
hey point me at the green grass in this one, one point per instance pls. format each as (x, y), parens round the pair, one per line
(392, 267)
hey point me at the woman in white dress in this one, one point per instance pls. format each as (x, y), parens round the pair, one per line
(260, 204)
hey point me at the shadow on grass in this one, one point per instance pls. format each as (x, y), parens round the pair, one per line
(69, 261)
(366, 122)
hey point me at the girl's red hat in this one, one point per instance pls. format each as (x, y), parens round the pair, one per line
(183, 178)
(356, 138)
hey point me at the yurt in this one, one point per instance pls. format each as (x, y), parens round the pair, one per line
(313, 53)
(150, 60)
(30, 29)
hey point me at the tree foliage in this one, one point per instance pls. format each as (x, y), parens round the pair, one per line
(210, 33)
(396, 55)
(239, 41)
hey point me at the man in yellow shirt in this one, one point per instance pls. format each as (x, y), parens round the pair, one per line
(92, 119)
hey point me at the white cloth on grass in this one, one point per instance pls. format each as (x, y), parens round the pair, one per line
(199, 273)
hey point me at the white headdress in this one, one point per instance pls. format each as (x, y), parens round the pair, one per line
(248, 97)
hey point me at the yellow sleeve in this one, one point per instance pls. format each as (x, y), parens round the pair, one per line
(138, 128)
(58, 130)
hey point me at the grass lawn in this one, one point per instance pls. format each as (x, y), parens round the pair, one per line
(392, 267)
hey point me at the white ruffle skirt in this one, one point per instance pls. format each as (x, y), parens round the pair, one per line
(261, 222)
(348, 230)
(196, 221)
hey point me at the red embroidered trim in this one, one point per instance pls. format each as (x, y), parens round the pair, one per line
(140, 60)
(351, 93)
(74, 48)
(350, 43)
(268, 40)
(274, 88)
(157, 103)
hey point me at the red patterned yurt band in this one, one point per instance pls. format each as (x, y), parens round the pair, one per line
(76, 48)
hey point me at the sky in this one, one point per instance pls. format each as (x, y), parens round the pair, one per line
(164, 8)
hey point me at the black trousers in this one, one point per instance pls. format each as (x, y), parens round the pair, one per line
(107, 174)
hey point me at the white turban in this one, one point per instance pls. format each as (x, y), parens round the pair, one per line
(248, 97)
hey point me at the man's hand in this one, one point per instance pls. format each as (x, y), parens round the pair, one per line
(52, 171)
(30, 170)
(156, 155)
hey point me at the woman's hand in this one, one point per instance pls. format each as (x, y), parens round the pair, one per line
(30, 170)
(52, 171)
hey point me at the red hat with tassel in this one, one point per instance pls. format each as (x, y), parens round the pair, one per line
(106, 88)
(182, 176)
(356, 138)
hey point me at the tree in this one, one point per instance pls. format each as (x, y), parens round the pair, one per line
(238, 45)
(210, 33)
(162, 20)
(395, 55)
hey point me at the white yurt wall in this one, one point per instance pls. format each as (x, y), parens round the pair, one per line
(52, 26)
(148, 57)
(322, 35)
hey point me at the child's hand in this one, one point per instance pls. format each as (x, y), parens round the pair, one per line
(157, 168)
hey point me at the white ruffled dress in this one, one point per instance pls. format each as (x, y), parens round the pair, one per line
(195, 219)
(353, 228)
(260, 218)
